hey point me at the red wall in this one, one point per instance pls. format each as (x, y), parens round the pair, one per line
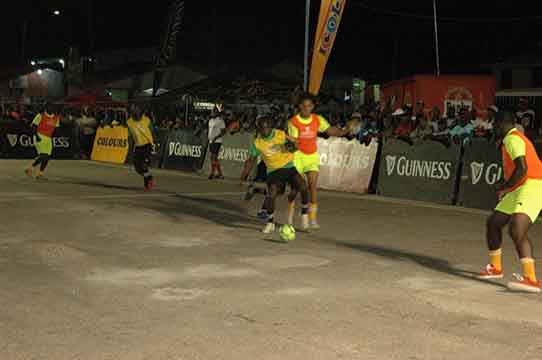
(434, 91)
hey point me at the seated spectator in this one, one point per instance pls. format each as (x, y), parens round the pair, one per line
(355, 123)
(405, 124)
(484, 127)
(369, 131)
(463, 131)
(422, 130)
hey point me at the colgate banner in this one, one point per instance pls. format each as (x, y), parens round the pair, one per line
(425, 172)
(18, 143)
(346, 165)
(331, 12)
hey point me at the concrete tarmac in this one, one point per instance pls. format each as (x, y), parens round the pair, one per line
(93, 268)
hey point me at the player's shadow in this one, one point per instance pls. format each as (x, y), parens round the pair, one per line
(221, 212)
(97, 184)
(429, 262)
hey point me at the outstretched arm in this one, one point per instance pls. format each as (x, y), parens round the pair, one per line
(337, 132)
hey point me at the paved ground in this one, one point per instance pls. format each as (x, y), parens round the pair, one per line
(92, 268)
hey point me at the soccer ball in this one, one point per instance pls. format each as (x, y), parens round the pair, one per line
(287, 233)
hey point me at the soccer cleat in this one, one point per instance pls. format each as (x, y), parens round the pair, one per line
(314, 225)
(269, 228)
(490, 272)
(219, 177)
(150, 185)
(211, 177)
(305, 221)
(40, 175)
(29, 172)
(524, 285)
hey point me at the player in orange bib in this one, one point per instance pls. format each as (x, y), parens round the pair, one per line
(43, 128)
(520, 204)
(304, 127)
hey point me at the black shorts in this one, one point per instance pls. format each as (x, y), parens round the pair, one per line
(142, 154)
(282, 177)
(214, 148)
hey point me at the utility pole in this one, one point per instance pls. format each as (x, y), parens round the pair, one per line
(436, 36)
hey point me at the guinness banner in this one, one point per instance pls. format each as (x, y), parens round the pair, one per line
(482, 169)
(184, 151)
(233, 154)
(425, 172)
(18, 143)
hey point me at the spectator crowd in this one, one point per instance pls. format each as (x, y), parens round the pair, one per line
(412, 124)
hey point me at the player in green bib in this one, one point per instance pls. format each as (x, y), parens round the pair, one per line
(274, 147)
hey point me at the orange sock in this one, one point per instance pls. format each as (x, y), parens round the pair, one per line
(291, 212)
(527, 264)
(313, 212)
(495, 259)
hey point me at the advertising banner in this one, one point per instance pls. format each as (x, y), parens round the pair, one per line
(111, 145)
(346, 165)
(482, 169)
(233, 154)
(184, 151)
(18, 143)
(425, 172)
(331, 12)
(160, 138)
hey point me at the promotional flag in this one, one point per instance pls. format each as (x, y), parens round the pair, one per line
(331, 12)
(168, 50)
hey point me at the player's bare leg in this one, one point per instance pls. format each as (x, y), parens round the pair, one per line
(518, 230)
(312, 178)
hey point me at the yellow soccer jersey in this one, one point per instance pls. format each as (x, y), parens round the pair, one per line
(272, 150)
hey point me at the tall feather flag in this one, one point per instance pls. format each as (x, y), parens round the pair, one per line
(168, 49)
(331, 12)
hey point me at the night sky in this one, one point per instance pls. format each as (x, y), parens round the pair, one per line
(378, 39)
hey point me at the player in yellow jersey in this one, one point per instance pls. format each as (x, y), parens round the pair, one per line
(274, 147)
(140, 127)
(519, 206)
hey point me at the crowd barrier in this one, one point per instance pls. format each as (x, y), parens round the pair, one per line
(429, 171)
(425, 172)
(158, 148)
(346, 165)
(111, 145)
(16, 142)
(233, 154)
(482, 169)
(183, 150)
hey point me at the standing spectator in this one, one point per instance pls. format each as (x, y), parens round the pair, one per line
(87, 128)
(524, 107)
(217, 130)
(525, 125)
